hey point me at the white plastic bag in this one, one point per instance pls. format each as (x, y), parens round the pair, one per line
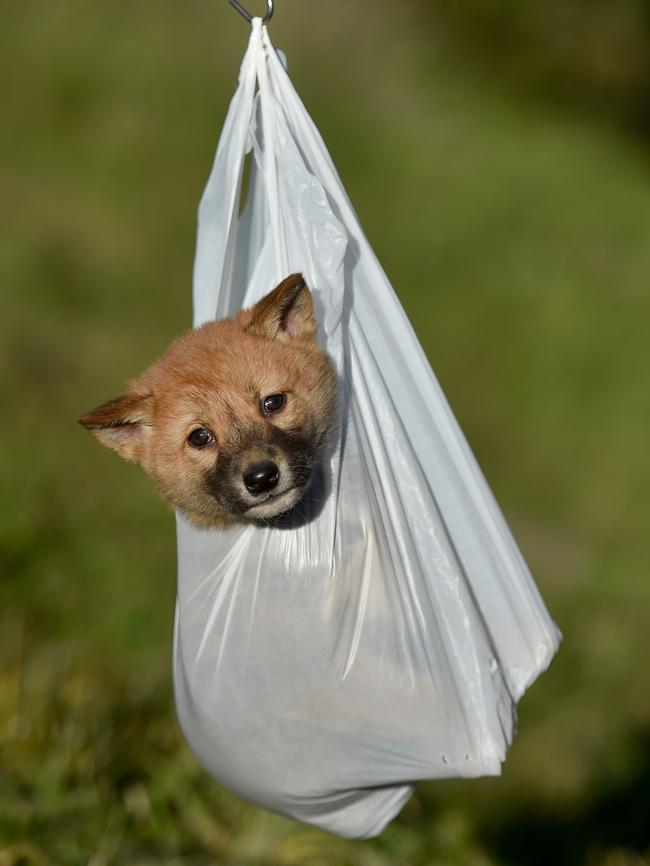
(321, 670)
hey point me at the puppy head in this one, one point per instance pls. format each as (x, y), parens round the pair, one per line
(233, 420)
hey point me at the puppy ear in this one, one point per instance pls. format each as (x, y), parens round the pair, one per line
(285, 313)
(120, 424)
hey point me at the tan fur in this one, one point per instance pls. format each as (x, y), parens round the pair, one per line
(215, 377)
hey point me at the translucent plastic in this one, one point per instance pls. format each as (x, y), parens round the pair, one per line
(321, 670)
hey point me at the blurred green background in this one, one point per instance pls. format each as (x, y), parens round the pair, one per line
(497, 155)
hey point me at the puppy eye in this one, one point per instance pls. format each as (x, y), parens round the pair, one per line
(200, 437)
(272, 403)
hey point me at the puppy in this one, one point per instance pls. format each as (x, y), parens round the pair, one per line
(233, 420)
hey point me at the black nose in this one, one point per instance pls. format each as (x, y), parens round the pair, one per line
(261, 477)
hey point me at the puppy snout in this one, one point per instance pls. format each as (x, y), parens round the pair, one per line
(261, 477)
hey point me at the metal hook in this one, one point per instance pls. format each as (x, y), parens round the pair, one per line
(247, 15)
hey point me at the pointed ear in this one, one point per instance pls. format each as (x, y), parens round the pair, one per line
(119, 424)
(285, 313)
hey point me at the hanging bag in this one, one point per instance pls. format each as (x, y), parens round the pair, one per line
(321, 669)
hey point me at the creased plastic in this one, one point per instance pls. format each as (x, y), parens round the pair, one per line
(321, 670)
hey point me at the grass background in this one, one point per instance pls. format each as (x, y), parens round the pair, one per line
(504, 182)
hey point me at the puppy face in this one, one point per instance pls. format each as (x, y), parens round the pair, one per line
(235, 417)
